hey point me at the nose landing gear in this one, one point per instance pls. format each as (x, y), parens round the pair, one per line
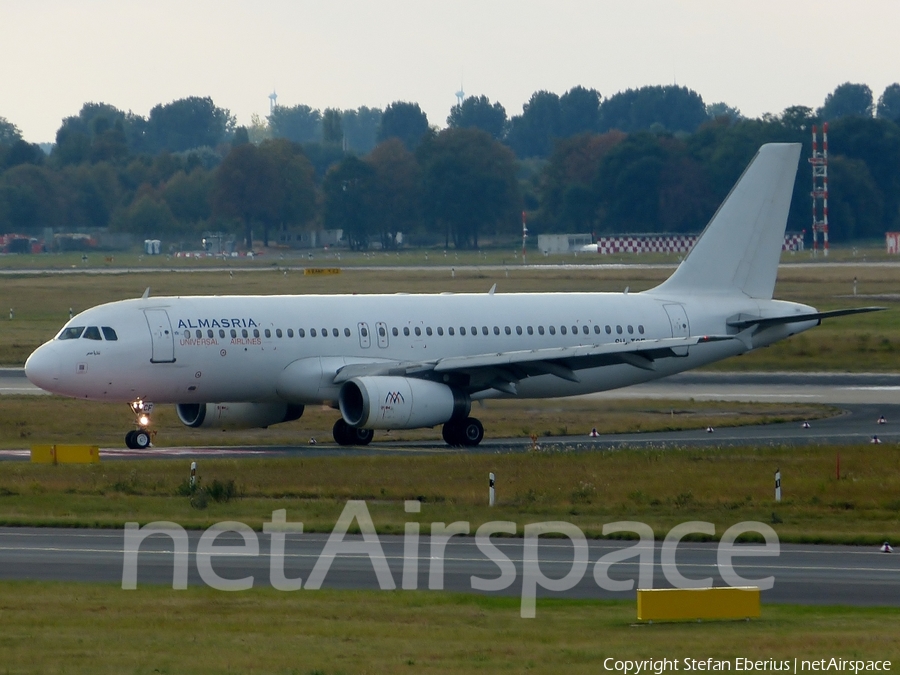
(140, 438)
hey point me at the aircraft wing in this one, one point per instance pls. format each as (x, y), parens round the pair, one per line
(501, 370)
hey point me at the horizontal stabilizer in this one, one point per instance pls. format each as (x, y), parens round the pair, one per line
(746, 322)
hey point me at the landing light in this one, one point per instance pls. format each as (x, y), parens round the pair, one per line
(143, 420)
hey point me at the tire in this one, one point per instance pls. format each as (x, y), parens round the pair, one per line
(471, 432)
(344, 434)
(141, 439)
(129, 440)
(362, 436)
(451, 434)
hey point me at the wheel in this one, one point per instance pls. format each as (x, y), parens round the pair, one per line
(141, 439)
(129, 440)
(451, 434)
(471, 432)
(344, 434)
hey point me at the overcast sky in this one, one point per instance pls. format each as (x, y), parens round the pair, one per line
(757, 55)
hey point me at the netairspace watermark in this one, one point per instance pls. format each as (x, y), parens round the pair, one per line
(741, 664)
(369, 545)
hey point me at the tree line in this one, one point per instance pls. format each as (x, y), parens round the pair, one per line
(653, 159)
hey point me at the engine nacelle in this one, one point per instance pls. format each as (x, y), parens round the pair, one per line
(386, 402)
(236, 415)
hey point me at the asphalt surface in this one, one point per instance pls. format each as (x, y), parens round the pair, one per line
(802, 574)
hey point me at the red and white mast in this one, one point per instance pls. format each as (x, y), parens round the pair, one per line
(819, 162)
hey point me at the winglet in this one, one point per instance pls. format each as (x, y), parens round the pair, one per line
(739, 250)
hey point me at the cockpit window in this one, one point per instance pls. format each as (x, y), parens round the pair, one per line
(92, 333)
(109, 333)
(71, 333)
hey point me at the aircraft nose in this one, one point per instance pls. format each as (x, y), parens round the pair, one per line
(42, 368)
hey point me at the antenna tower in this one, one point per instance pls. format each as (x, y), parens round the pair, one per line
(273, 101)
(819, 162)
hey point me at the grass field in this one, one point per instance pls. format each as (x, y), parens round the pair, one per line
(659, 487)
(67, 628)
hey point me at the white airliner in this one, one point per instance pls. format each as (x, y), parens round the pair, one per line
(407, 361)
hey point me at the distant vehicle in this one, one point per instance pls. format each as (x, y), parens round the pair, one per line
(408, 361)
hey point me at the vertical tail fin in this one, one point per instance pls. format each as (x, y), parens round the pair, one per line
(739, 250)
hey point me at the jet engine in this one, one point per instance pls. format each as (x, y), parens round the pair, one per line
(387, 402)
(236, 415)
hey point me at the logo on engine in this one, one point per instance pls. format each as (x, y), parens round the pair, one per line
(394, 397)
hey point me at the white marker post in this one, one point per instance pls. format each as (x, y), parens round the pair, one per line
(193, 475)
(490, 489)
(777, 485)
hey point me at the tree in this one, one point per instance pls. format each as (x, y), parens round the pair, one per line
(847, 99)
(9, 132)
(405, 121)
(720, 109)
(397, 194)
(855, 204)
(674, 108)
(331, 127)
(469, 185)
(20, 152)
(348, 200)
(579, 111)
(295, 190)
(889, 103)
(532, 133)
(300, 123)
(30, 198)
(360, 128)
(188, 123)
(188, 197)
(246, 188)
(479, 113)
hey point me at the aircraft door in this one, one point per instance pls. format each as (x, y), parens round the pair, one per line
(161, 336)
(365, 339)
(382, 334)
(680, 327)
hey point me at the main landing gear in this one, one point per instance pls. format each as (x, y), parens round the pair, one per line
(467, 433)
(344, 434)
(140, 438)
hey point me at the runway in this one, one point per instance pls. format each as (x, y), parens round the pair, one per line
(817, 575)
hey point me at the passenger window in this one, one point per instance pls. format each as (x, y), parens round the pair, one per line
(574, 330)
(324, 332)
(484, 330)
(362, 331)
(268, 333)
(301, 332)
(290, 332)
(440, 330)
(278, 332)
(584, 329)
(256, 332)
(428, 331)
(110, 334)
(71, 333)
(496, 330)
(609, 330)
(619, 329)
(381, 331)
(540, 330)
(221, 333)
(596, 329)
(552, 330)
(518, 330)
(233, 333)
(92, 333)
(406, 331)
(462, 330)
(450, 330)
(530, 330)
(631, 330)
(418, 331)
(395, 332)
(641, 329)
(335, 332)
(562, 329)
(508, 331)
(474, 330)
(312, 332)
(209, 333)
(199, 334)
